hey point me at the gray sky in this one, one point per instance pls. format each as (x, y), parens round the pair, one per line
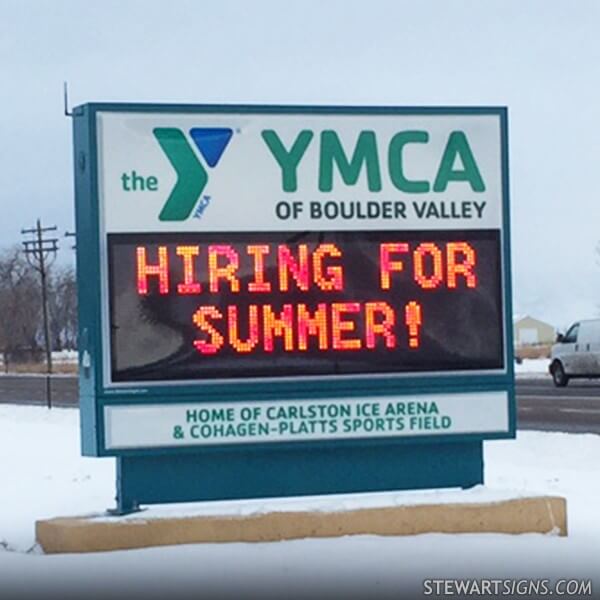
(539, 58)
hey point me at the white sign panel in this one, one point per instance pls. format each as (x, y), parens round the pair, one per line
(282, 172)
(172, 425)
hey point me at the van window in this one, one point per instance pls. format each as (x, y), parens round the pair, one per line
(571, 335)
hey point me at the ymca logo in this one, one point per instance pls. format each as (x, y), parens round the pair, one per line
(192, 176)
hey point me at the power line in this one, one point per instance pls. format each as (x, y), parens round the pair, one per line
(40, 253)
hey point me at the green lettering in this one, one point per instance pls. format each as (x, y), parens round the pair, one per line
(397, 176)
(288, 159)
(365, 152)
(458, 146)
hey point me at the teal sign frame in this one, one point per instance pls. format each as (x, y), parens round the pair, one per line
(226, 471)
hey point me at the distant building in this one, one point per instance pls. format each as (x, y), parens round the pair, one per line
(531, 332)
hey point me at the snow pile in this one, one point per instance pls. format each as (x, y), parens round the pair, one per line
(44, 476)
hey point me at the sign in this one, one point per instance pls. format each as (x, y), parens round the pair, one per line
(307, 171)
(197, 307)
(278, 421)
(297, 275)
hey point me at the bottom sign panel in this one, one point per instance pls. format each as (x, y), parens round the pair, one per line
(189, 424)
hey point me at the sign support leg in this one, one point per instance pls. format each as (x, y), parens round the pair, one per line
(126, 504)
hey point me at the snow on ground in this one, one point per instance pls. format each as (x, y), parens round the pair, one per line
(50, 478)
(44, 476)
(65, 356)
(533, 366)
(58, 357)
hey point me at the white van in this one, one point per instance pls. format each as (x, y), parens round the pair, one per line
(577, 353)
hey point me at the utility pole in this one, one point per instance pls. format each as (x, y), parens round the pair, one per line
(41, 253)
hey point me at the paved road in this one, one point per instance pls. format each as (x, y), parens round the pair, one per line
(31, 389)
(540, 405)
(573, 408)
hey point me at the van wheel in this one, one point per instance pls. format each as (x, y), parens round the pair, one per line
(559, 377)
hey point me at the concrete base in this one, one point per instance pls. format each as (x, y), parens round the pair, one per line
(92, 534)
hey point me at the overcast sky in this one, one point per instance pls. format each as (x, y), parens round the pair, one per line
(541, 59)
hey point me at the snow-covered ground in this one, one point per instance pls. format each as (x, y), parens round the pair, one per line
(43, 476)
(533, 367)
(58, 357)
(65, 356)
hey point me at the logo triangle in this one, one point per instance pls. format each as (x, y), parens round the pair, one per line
(211, 142)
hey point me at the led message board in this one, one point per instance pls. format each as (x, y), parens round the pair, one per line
(277, 277)
(234, 305)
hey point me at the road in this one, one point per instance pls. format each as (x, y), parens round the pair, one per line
(575, 408)
(541, 406)
(31, 389)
